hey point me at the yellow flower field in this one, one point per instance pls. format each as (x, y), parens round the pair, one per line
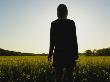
(38, 69)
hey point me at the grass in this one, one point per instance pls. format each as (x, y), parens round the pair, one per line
(38, 69)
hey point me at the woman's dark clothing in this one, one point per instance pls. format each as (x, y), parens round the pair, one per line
(63, 39)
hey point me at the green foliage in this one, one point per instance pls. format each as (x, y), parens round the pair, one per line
(38, 69)
(98, 52)
(88, 52)
(103, 52)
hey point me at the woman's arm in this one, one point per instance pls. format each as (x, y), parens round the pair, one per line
(51, 42)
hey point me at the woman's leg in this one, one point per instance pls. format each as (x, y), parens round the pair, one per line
(58, 74)
(70, 74)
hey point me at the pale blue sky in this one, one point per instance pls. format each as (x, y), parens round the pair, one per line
(25, 24)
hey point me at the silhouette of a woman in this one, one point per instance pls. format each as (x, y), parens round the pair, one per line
(63, 44)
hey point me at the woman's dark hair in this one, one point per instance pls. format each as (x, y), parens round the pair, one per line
(62, 11)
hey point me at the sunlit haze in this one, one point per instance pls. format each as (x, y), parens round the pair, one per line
(25, 24)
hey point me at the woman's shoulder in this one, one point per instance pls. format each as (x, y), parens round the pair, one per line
(69, 20)
(62, 20)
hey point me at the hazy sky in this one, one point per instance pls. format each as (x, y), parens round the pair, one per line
(25, 24)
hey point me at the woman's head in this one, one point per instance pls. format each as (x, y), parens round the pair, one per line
(62, 11)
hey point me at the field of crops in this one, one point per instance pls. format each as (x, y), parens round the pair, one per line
(38, 69)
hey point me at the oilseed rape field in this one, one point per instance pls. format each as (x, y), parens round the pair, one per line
(38, 69)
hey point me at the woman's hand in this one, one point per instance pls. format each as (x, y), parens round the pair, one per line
(50, 56)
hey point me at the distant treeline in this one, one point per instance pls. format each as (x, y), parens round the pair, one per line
(98, 52)
(4, 52)
(95, 52)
